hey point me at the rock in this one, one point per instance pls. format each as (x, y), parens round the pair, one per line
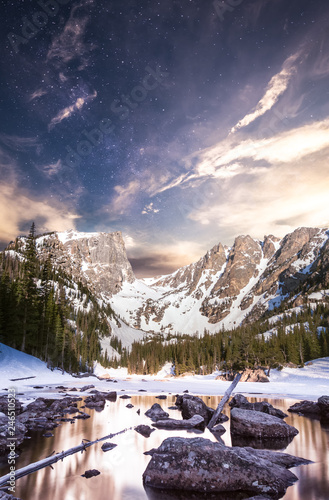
(144, 430)
(86, 387)
(249, 423)
(170, 423)
(199, 465)
(218, 430)
(162, 396)
(91, 473)
(192, 405)
(323, 403)
(48, 434)
(239, 401)
(108, 446)
(173, 408)
(307, 408)
(247, 376)
(125, 396)
(156, 413)
(129, 405)
(96, 401)
(110, 396)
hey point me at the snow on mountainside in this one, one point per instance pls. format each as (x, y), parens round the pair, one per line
(224, 288)
(228, 285)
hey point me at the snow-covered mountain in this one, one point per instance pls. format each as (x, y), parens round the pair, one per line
(229, 285)
(223, 289)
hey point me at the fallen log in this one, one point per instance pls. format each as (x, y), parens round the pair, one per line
(41, 464)
(22, 378)
(223, 401)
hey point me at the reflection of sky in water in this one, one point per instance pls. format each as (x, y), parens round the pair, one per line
(122, 468)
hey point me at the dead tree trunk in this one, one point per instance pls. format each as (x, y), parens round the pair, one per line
(41, 464)
(223, 401)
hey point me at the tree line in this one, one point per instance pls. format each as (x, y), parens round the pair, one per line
(37, 317)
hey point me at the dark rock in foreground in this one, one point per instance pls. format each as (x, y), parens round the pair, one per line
(144, 430)
(248, 423)
(90, 473)
(170, 423)
(199, 465)
(156, 413)
(240, 401)
(192, 405)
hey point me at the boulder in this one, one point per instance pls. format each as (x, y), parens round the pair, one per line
(323, 403)
(249, 423)
(248, 375)
(170, 423)
(86, 388)
(240, 401)
(307, 408)
(199, 465)
(156, 413)
(144, 430)
(192, 405)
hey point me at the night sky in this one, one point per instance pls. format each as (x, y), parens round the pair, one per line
(180, 123)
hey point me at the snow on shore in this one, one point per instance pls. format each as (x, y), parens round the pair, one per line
(309, 382)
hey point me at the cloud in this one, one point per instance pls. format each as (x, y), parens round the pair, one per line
(163, 258)
(37, 93)
(70, 43)
(52, 169)
(18, 207)
(23, 144)
(124, 198)
(70, 110)
(149, 209)
(274, 200)
(276, 87)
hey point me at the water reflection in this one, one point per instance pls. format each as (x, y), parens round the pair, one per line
(122, 468)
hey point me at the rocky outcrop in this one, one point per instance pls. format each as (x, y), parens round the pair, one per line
(98, 260)
(192, 405)
(255, 424)
(240, 401)
(319, 409)
(199, 465)
(248, 375)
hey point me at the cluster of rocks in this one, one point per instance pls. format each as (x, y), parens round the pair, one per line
(46, 414)
(198, 466)
(319, 409)
(248, 375)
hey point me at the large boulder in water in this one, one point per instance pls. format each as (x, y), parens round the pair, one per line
(199, 465)
(248, 423)
(240, 401)
(192, 405)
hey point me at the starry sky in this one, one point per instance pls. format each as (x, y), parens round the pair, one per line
(180, 123)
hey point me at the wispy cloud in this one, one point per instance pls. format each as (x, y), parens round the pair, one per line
(70, 110)
(70, 43)
(276, 87)
(24, 144)
(37, 93)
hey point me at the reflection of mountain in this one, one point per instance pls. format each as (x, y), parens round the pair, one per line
(223, 289)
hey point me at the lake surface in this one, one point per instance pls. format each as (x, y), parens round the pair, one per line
(122, 468)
